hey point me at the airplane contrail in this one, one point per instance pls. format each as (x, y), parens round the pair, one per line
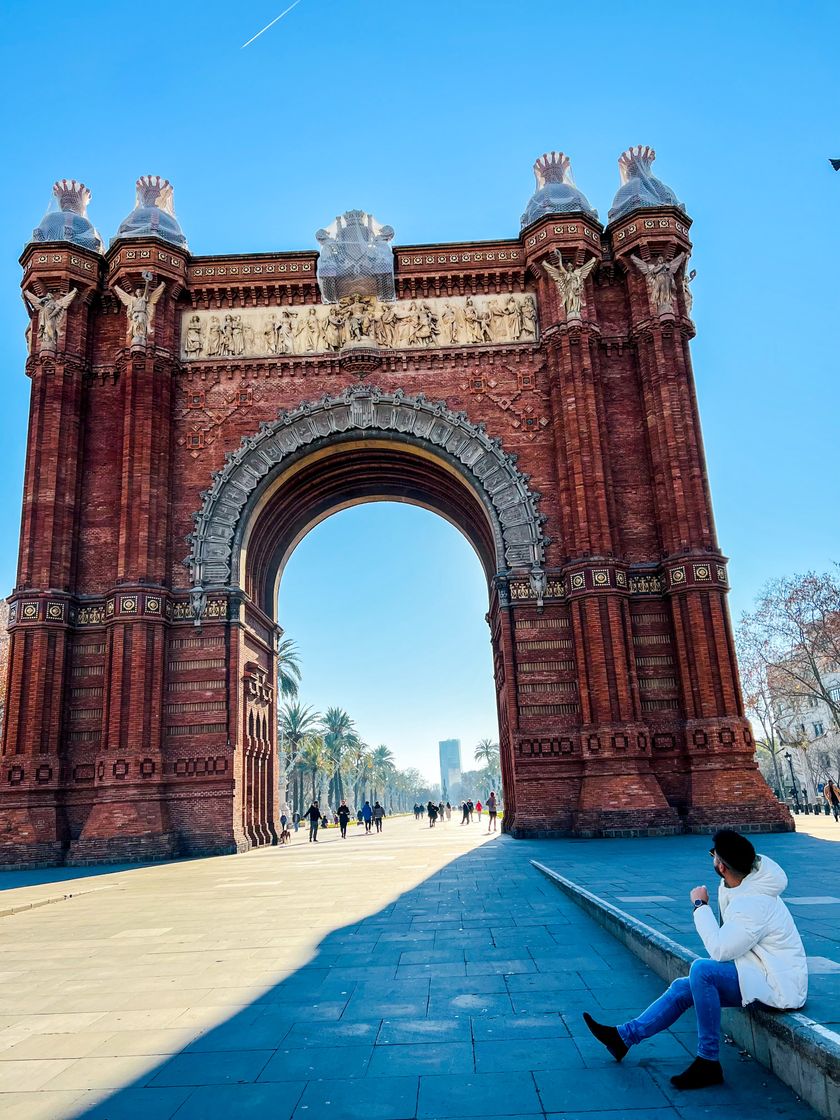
(275, 20)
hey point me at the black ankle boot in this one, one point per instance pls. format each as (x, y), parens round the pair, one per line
(700, 1075)
(607, 1036)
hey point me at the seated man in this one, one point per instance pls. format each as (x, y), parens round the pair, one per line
(756, 956)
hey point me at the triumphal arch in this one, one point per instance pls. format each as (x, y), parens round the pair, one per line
(193, 416)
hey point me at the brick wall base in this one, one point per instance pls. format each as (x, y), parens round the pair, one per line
(25, 857)
(123, 849)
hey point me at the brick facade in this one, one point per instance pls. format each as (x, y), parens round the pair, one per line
(136, 730)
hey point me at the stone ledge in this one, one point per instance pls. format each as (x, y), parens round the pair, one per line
(798, 1050)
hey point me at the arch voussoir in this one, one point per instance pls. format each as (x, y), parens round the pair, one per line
(486, 467)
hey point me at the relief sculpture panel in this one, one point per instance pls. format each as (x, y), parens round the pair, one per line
(358, 320)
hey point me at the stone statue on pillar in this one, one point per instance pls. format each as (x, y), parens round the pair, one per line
(140, 309)
(51, 314)
(570, 283)
(660, 275)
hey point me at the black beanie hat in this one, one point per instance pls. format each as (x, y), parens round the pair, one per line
(735, 850)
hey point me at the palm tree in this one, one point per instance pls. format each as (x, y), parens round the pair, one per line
(288, 669)
(383, 767)
(296, 724)
(360, 767)
(316, 761)
(340, 734)
(487, 751)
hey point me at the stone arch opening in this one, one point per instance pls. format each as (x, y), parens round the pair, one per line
(362, 446)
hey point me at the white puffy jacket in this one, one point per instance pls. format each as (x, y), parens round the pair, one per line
(758, 933)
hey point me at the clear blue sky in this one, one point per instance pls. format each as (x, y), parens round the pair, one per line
(430, 116)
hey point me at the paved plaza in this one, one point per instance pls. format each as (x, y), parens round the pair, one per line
(420, 973)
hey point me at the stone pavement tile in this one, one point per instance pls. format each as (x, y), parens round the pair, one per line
(498, 1027)
(560, 962)
(432, 971)
(432, 956)
(263, 1034)
(372, 1098)
(494, 983)
(422, 1058)
(128, 1104)
(442, 1005)
(38, 1106)
(27, 1075)
(125, 1043)
(274, 1101)
(562, 1002)
(460, 1097)
(500, 967)
(54, 1046)
(356, 972)
(546, 982)
(313, 1063)
(312, 1033)
(219, 1068)
(497, 953)
(598, 1089)
(400, 1031)
(112, 1021)
(96, 1073)
(382, 1007)
(624, 1114)
(522, 1054)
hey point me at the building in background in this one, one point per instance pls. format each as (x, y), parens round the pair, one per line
(808, 730)
(450, 769)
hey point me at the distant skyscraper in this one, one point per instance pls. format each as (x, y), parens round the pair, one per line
(450, 769)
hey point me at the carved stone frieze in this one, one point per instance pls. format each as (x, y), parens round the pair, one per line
(367, 411)
(323, 329)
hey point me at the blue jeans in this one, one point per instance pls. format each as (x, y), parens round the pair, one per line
(710, 985)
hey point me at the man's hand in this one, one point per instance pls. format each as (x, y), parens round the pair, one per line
(699, 893)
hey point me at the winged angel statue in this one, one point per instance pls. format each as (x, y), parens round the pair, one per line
(569, 281)
(51, 313)
(140, 309)
(659, 275)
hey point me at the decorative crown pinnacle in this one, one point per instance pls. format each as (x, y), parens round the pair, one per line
(553, 167)
(640, 157)
(71, 196)
(153, 190)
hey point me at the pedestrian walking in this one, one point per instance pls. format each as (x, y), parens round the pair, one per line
(432, 810)
(448, 811)
(465, 813)
(296, 820)
(492, 809)
(478, 810)
(360, 817)
(832, 795)
(378, 815)
(314, 815)
(367, 815)
(343, 818)
(470, 811)
(756, 955)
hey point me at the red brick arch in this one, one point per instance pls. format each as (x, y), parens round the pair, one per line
(141, 705)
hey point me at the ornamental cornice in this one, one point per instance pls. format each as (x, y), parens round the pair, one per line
(649, 225)
(123, 605)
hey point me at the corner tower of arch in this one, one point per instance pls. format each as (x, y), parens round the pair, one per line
(193, 417)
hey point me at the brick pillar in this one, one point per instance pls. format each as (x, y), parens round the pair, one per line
(34, 829)
(617, 789)
(718, 779)
(129, 818)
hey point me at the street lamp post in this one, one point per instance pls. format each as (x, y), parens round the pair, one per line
(789, 758)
